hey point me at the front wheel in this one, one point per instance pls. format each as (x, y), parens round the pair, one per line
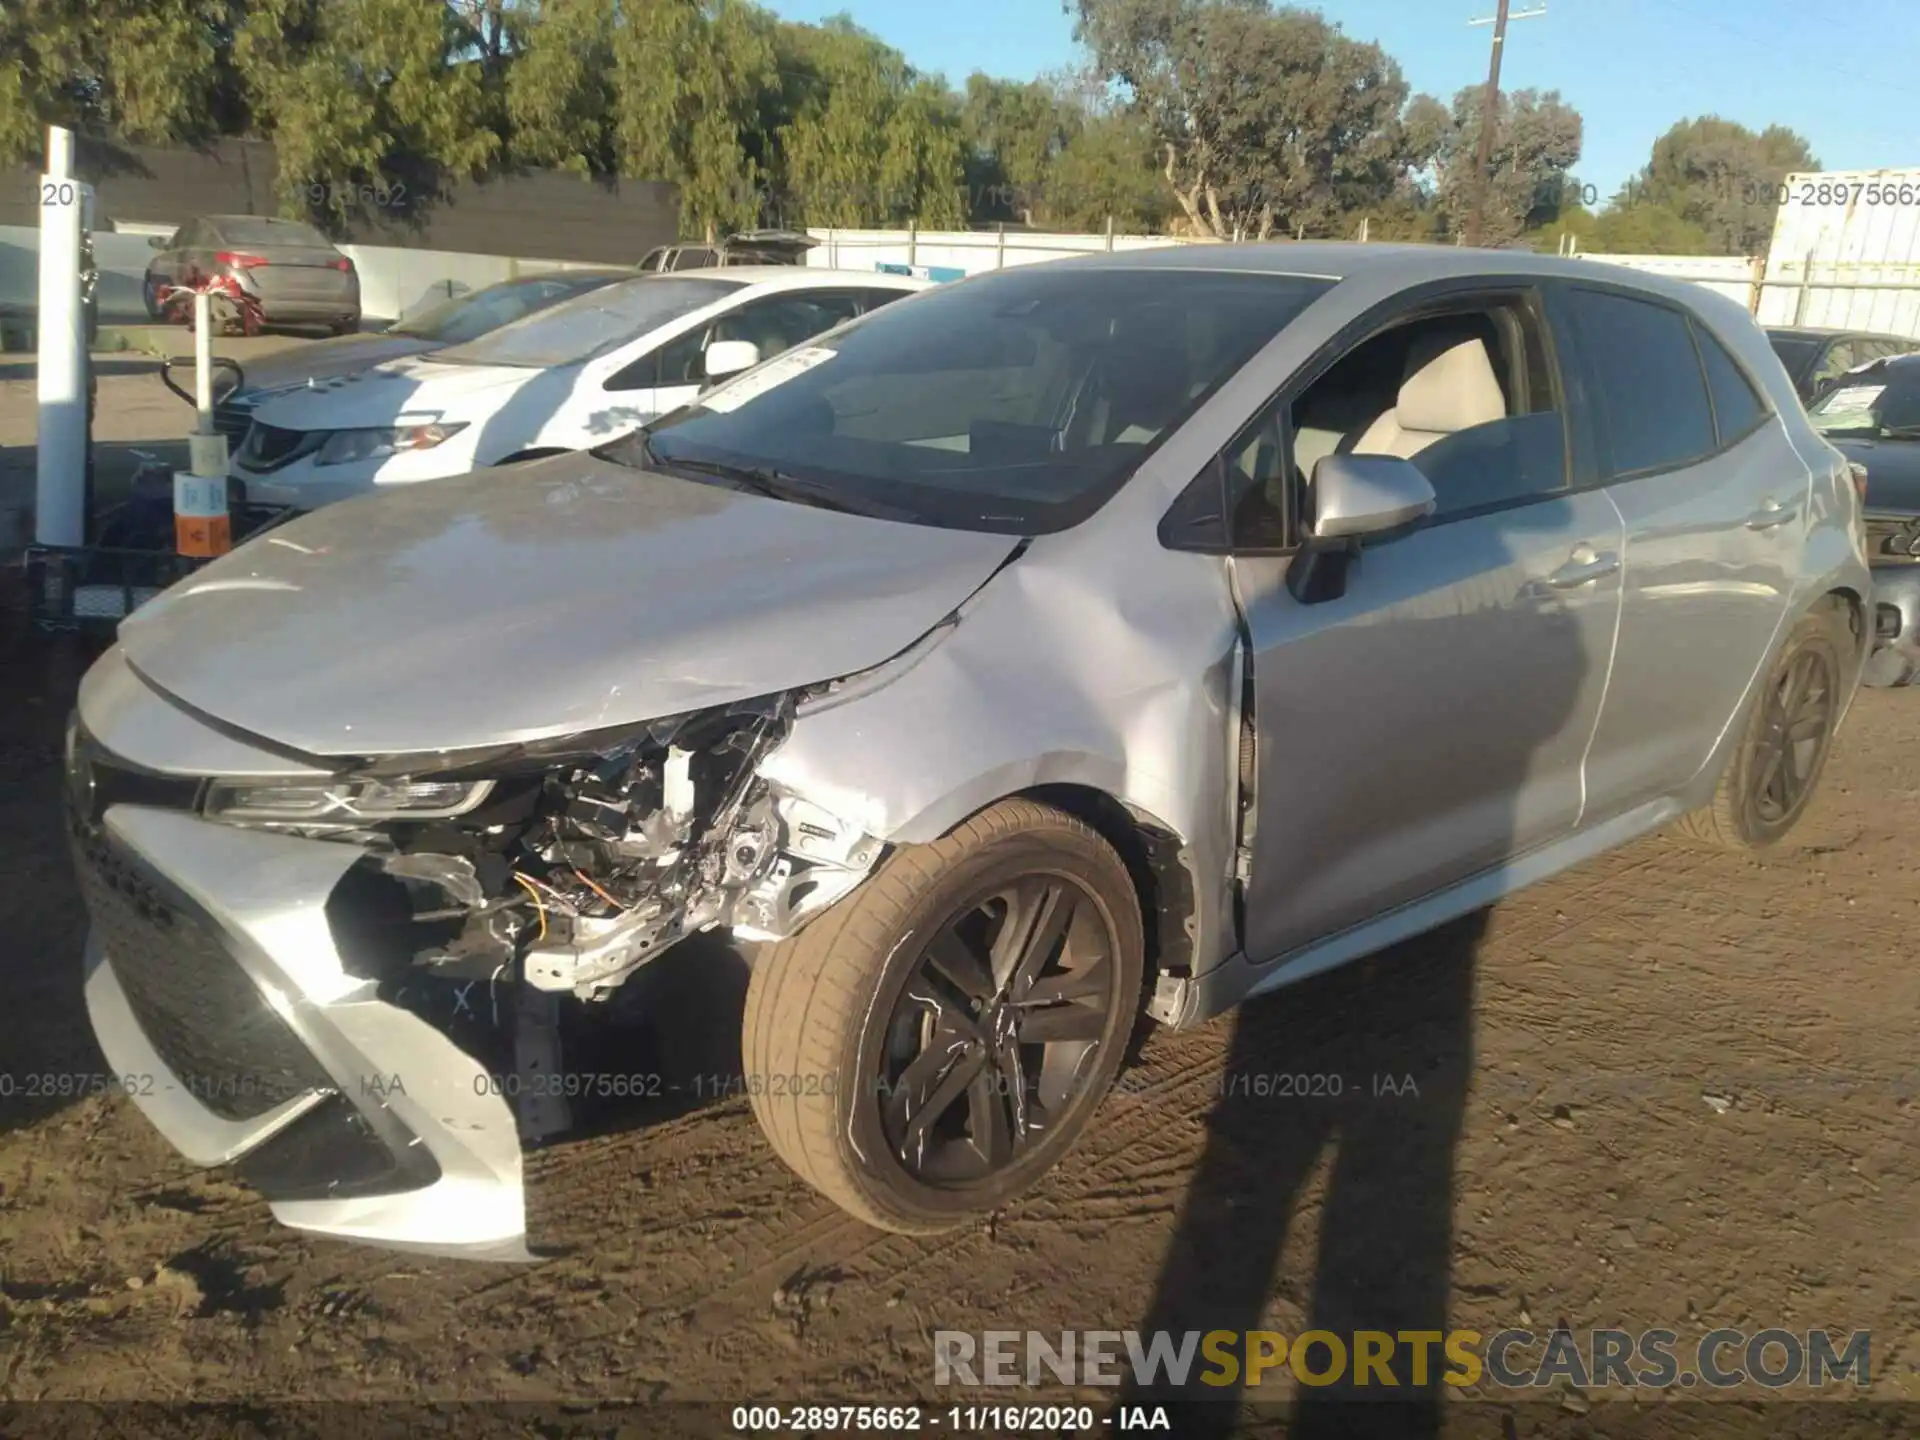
(1771, 778)
(926, 1050)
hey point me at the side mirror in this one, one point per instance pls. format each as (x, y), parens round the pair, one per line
(158, 242)
(1360, 495)
(730, 357)
(1354, 496)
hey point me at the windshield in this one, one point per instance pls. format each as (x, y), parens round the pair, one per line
(1016, 402)
(1881, 401)
(588, 326)
(259, 231)
(468, 317)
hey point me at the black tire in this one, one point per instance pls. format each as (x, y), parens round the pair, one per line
(827, 1013)
(1759, 799)
(346, 326)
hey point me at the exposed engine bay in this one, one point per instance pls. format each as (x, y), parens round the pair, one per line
(571, 878)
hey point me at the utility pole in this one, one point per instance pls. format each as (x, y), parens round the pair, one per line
(1489, 117)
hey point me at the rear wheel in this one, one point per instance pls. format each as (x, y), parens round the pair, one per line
(930, 1047)
(1771, 778)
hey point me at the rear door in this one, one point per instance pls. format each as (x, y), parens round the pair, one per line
(1716, 506)
(1430, 722)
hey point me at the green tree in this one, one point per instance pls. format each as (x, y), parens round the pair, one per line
(1267, 119)
(1015, 133)
(356, 91)
(690, 76)
(141, 70)
(561, 91)
(1648, 229)
(870, 141)
(1536, 143)
(1723, 178)
(1107, 172)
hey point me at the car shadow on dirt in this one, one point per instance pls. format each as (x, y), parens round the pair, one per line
(48, 1059)
(1372, 1063)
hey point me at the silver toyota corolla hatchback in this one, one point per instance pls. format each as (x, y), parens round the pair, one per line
(1141, 632)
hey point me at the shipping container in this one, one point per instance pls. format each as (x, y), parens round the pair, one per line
(1846, 252)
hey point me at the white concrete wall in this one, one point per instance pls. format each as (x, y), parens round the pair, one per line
(393, 279)
(1730, 275)
(968, 251)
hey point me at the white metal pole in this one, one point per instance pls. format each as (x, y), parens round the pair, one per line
(203, 361)
(60, 441)
(201, 523)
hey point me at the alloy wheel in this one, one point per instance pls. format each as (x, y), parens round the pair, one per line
(1794, 731)
(995, 1035)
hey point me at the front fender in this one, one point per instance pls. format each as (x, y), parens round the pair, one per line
(1047, 678)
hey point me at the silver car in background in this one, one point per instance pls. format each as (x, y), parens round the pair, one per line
(1137, 632)
(294, 271)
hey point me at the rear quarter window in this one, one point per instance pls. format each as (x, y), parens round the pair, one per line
(1736, 407)
(1652, 393)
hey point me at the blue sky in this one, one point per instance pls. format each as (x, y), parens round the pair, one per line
(1849, 82)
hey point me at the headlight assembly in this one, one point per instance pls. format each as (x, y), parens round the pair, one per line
(343, 447)
(343, 803)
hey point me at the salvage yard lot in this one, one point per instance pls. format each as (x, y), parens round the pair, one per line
(1669, 1089)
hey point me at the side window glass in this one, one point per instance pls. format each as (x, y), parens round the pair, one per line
(1839, 359)
(641, 374)
(1736, 408)
(1467, 397)
(784, 321)
(1257, 475)
(1647, 375)
(872, 300)
(683, 360)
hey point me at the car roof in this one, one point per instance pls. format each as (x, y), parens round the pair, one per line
(1824, 332)
(795, 277)
(1406, 264)
(256, 219)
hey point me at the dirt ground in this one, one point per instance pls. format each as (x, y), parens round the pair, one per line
(1669, 1089)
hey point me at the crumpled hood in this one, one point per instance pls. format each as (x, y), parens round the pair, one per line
(325, 359)
(537, 600)
(414, 387)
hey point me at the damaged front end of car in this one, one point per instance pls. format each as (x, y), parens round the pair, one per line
(561, 868)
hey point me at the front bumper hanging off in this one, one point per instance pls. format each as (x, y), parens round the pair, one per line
(225, 1008)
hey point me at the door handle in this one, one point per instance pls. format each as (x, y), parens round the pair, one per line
(1770, 514)
(1583, 569)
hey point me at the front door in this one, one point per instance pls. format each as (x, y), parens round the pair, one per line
(1431, 721)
